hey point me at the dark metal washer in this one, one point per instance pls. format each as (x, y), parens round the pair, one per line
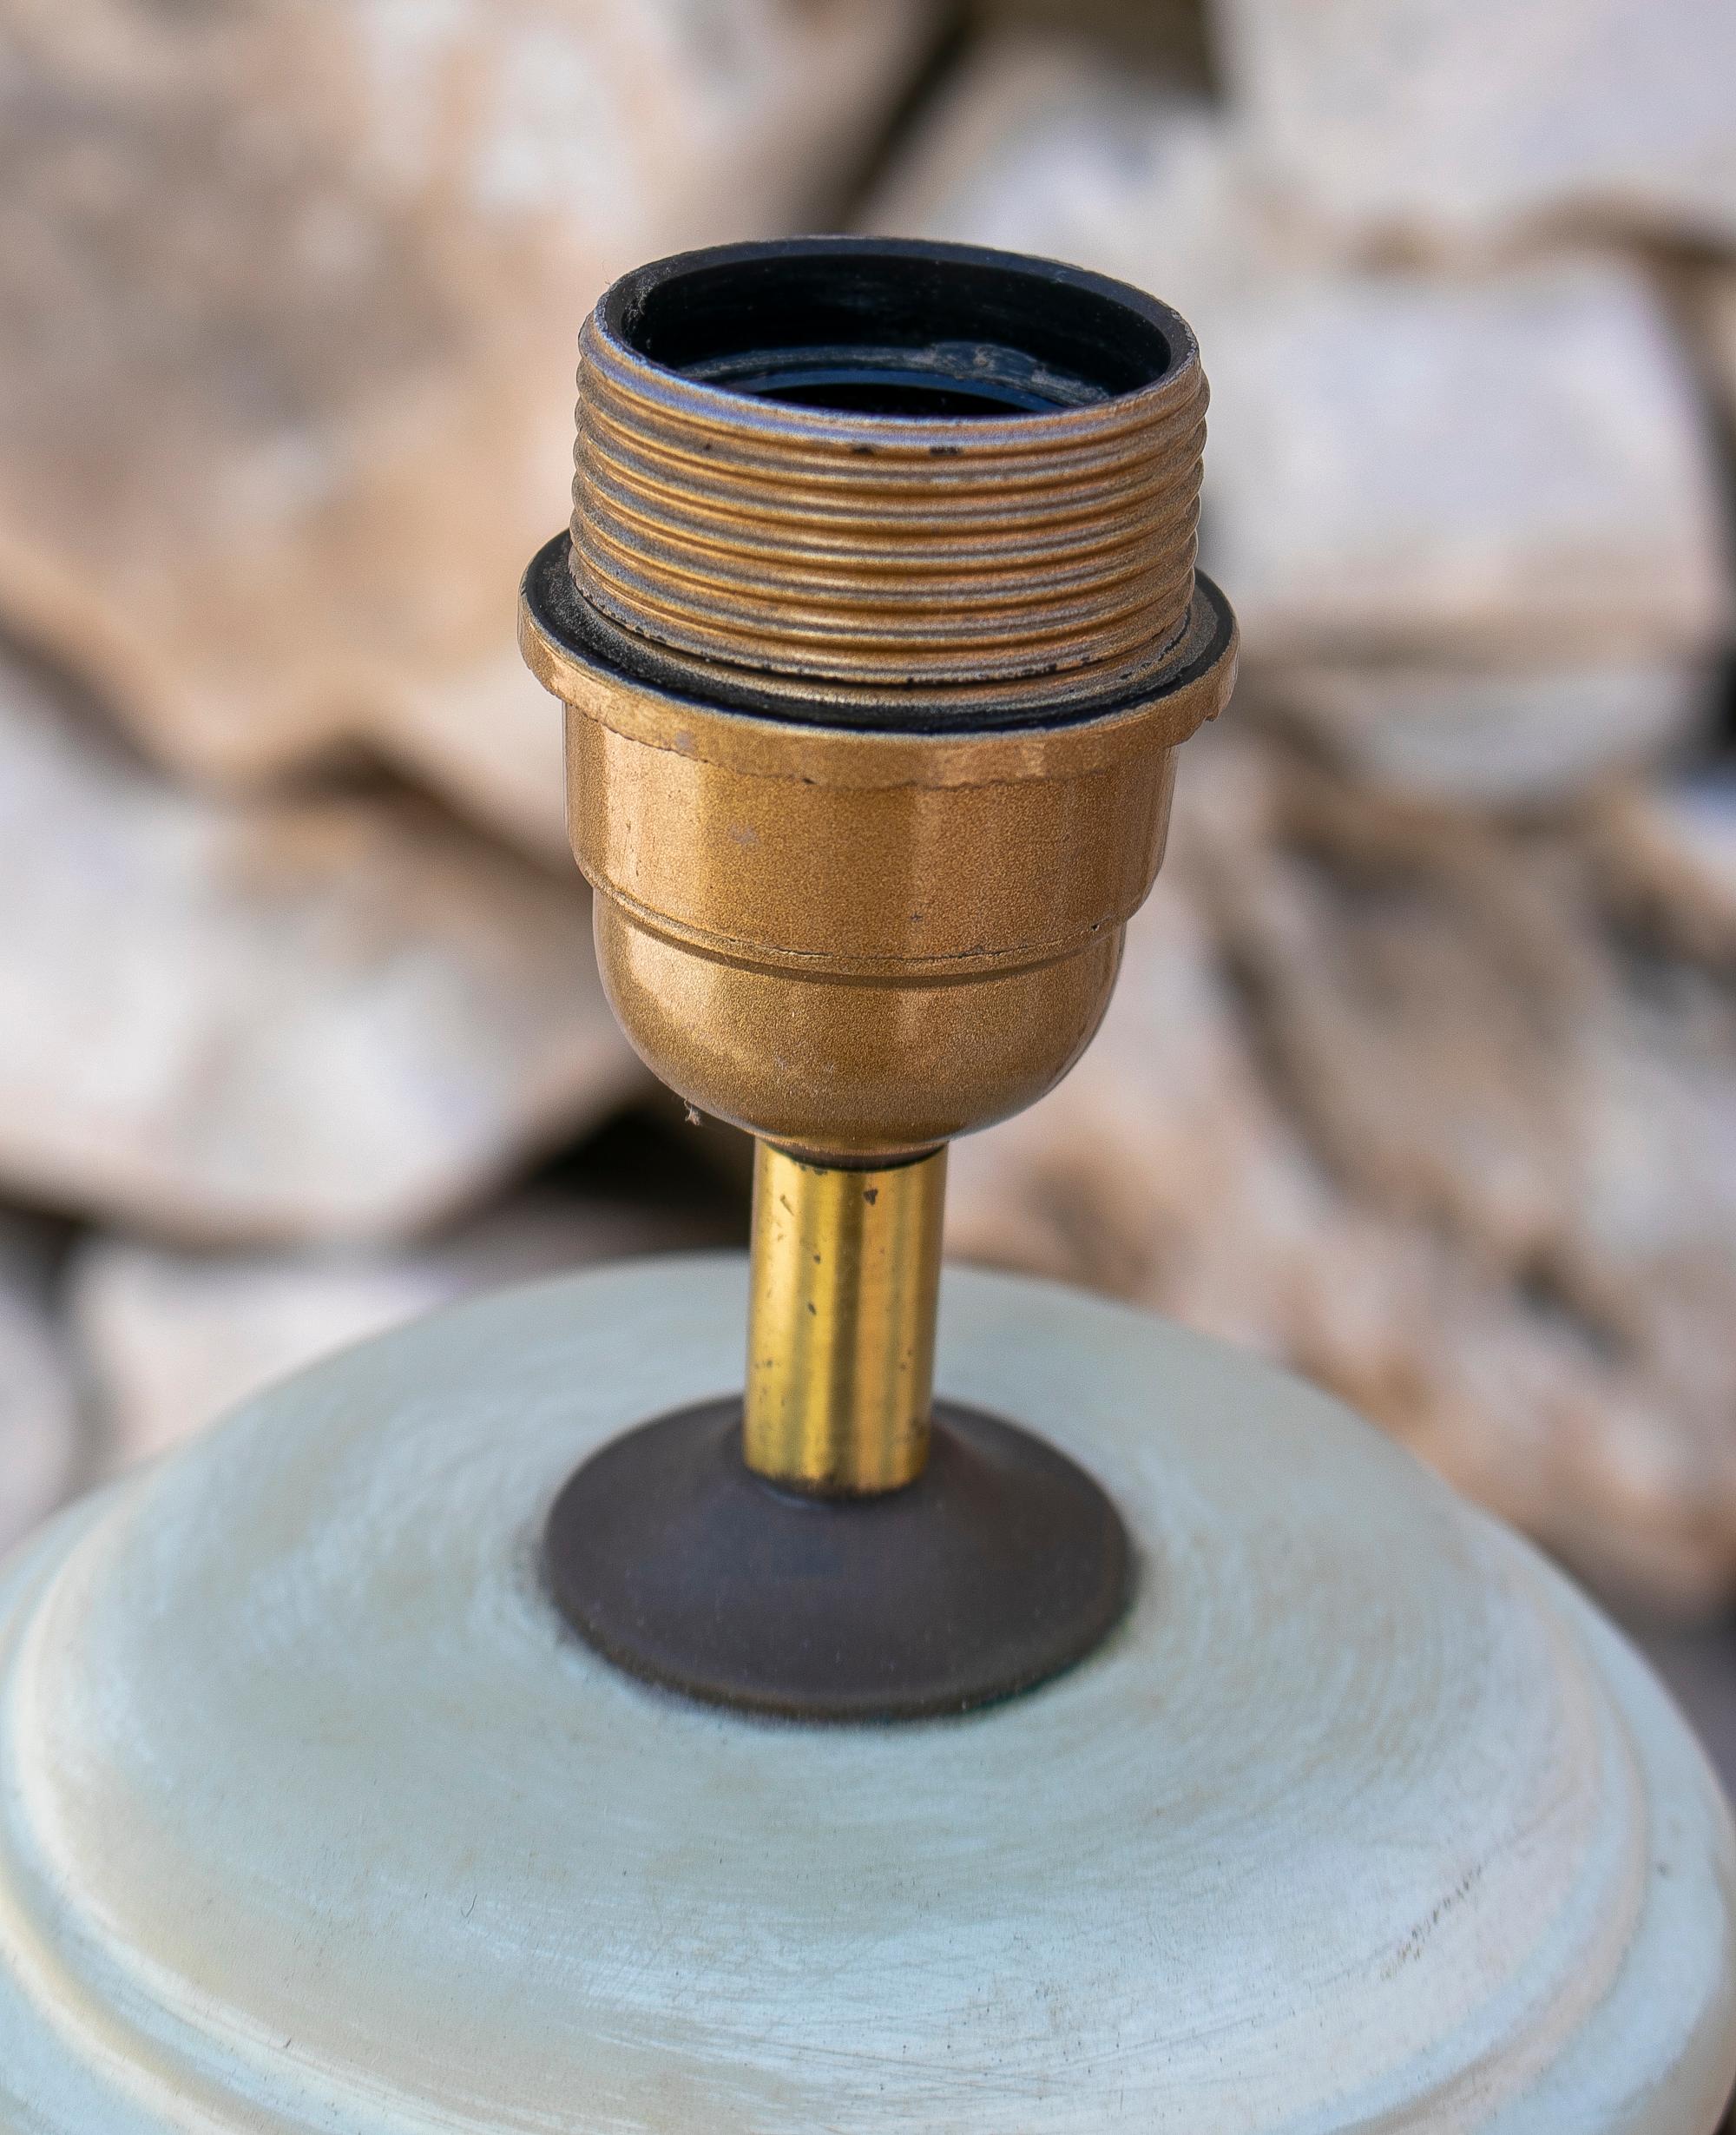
(1003, 1564)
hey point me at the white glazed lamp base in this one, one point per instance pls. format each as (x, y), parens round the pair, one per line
(313, 1816)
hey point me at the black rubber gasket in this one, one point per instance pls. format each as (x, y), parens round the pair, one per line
(562, 614)
(1003, 1564)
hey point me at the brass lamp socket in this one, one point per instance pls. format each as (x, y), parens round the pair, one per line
(878, 627)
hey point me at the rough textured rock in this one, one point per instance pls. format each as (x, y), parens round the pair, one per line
(1509, 478)
(1169, 38)
(1698, 1663)
(1668, 853)
(1515, 469)
(330, 1017)
(1512, 736)
(41, 1440)
(1710, 309)
(172, 1340)
(287, 301)
(1450, 122)
(1434, 1111)
(1040, 143)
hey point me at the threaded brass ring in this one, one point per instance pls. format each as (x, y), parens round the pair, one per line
(901, 481)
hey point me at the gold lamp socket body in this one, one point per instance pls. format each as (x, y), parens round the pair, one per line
(857, 908)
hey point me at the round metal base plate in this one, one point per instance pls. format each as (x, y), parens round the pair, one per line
(1000, 1567)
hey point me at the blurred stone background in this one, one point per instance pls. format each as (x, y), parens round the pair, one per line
(1422, 1073)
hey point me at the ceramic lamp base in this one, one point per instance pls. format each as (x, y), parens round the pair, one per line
(315, 1814)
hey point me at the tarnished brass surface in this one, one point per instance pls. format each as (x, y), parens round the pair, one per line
(871, 721)
(860, 944)
(840, 1325)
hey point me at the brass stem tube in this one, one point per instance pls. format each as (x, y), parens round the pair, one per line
(845, 1284)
